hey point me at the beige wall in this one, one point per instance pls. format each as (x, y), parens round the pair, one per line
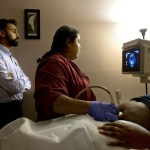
(100, 57)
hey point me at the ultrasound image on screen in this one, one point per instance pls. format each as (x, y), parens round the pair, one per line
(131, 60)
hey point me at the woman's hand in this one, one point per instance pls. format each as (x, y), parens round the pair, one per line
(127, 135)
(103, 111)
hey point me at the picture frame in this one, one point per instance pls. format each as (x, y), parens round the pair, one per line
(32, 23)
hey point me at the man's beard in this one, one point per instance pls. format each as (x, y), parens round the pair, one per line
(13, 42)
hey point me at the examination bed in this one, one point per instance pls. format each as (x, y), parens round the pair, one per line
(72, 132)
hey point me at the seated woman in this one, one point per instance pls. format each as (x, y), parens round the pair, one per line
(58, 80)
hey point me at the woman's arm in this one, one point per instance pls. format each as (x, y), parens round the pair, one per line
(98, 110)
(67, 105)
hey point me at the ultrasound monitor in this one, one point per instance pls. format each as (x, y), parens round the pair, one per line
(136, 58)
(131, 60)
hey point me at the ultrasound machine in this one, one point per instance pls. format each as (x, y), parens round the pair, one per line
(136, 59)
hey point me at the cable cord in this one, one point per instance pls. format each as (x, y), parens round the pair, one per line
(97, 86)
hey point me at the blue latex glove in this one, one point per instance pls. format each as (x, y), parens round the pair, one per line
(103, 111)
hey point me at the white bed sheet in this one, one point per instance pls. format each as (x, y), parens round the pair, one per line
(73, 132)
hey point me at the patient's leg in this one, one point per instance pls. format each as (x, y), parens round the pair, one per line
(136, 112)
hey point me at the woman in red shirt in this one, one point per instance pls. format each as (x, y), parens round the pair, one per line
(58, 80)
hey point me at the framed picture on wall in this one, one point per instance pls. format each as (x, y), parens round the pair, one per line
(32, 23)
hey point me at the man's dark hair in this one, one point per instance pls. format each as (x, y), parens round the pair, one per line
(4, 22)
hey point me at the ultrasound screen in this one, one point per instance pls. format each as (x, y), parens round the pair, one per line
(131, 60)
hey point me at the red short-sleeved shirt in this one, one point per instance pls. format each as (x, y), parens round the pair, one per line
(56, 76)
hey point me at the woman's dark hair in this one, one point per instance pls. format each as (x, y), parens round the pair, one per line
(59, 40)
(4, 22)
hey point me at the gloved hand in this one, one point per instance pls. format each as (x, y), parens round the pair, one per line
(103, 111)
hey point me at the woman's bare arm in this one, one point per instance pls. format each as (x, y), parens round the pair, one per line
(66, 105)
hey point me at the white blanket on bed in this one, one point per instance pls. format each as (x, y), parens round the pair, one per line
(73, 132)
